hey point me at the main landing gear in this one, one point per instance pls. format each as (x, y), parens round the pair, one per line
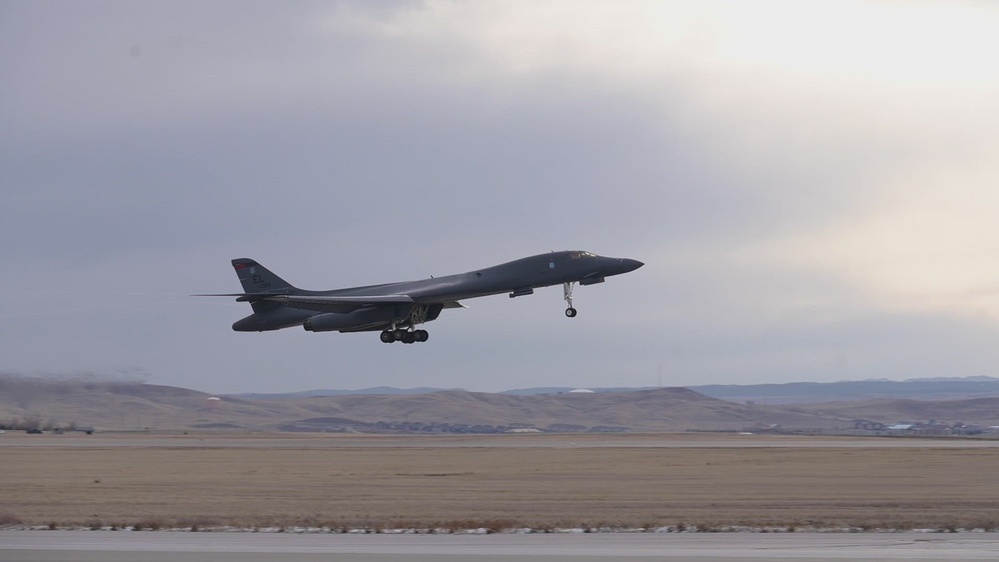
(567, 291)
(405, 336)
(418, 315)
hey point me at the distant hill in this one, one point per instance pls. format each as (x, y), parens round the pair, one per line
(125, 405)
(783, 393)
(667, 409)
(564, 389)
(141, 406)
(802, 392)
(129, 406)
(337, 392)
(984, 411)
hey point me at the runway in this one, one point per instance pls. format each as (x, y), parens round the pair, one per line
(162, 546)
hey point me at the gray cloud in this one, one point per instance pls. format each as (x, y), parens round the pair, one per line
(344, 144)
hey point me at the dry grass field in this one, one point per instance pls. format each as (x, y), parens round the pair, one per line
(203, 482)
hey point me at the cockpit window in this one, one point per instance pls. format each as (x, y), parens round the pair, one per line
(577, 255)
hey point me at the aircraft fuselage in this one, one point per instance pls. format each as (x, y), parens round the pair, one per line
(393, 306)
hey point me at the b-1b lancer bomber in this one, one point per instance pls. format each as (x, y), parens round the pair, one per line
(397, 309)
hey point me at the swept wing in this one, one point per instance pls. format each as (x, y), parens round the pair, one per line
(321, 303)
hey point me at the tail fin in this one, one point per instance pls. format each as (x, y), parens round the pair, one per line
(257, 278)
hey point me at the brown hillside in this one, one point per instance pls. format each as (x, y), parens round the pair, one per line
(140, 406)
(983, 411)
(116, 405)
(126, 405)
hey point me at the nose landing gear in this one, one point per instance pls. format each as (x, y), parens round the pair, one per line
(570, 312)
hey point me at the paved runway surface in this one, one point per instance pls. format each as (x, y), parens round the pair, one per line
(161, 546)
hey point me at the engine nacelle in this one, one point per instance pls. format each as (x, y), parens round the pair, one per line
(358, 319)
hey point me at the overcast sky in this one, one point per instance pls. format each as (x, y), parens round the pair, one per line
(812, 186)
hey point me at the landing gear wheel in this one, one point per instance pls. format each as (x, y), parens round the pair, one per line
(570, 312)
(388, 336)
(399, 335)
(408, 337)
(421, 335)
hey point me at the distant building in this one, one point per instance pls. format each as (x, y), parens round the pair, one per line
(931, 428)
(581, 391)
(899, 429)
(868, 425)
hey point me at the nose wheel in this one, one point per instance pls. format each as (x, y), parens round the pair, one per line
(570, 312)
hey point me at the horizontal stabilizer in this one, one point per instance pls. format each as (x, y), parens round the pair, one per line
(243, 297)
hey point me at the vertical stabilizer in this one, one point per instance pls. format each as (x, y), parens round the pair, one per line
(256, 278)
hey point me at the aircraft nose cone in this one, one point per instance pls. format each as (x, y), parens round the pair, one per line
(617, 266)
(630, 265)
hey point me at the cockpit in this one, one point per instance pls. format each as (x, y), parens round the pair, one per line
(577, 255)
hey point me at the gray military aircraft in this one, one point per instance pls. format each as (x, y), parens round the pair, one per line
(396, 309)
